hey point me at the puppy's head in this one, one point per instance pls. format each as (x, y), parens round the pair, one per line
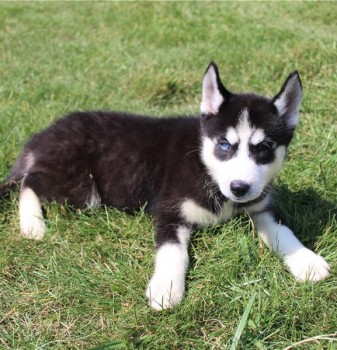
(245, 136)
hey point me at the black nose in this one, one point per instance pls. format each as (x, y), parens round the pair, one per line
(239, 188)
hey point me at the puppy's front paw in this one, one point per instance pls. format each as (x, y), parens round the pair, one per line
(305, 265)
(164, 292)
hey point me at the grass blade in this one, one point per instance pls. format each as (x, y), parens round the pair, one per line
(114, 345)
(242, 323)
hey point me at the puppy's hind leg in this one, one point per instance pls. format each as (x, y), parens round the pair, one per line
(32, 224)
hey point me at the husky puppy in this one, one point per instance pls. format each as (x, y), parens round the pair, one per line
(190, 172)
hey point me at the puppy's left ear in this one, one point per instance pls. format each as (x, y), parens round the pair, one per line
(288, 100)
(213, 91)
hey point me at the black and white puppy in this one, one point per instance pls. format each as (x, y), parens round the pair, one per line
(190, 172)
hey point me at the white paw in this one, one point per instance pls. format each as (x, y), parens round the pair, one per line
(305, 265)
(31, 218)
(163, 292)
(33, 227)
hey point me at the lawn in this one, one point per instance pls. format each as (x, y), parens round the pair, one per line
(83, 285)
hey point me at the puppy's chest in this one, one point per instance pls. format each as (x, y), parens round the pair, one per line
(194, 213)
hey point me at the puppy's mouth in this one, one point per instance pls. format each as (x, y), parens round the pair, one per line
(245, 199)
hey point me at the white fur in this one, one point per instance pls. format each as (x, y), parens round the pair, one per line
(94, 199)
(257, 137)
(195, 214)
(244, 133)
(242, 167)
(29, 161)
(31, 219)
(167, 285)
(244, 130)
(211, 96)
(232, 136)
(302, 262)
(288, 103)
(280, 104)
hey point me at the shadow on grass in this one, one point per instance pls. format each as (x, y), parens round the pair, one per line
(305, 212)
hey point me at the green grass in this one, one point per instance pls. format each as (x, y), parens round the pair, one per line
(83, 286)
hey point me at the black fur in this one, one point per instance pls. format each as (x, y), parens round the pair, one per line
(176, 168)
(127, 161)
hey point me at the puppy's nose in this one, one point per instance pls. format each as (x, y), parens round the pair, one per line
(239, 188)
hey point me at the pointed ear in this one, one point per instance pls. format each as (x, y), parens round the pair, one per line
(213, 92)
(288, 100)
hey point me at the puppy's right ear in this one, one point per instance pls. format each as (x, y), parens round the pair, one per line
(288, 100)
(213, 91)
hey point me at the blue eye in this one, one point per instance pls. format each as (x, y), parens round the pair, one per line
(225, 145)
